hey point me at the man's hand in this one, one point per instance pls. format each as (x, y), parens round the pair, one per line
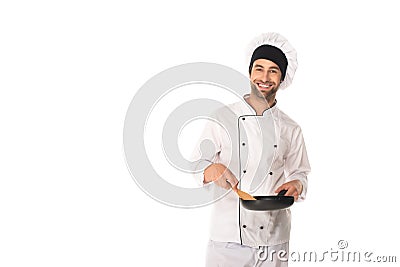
(220, 175)
(294, 188)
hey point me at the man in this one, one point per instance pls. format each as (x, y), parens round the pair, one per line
(271, 157)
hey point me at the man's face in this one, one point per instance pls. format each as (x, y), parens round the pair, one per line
(265, 77)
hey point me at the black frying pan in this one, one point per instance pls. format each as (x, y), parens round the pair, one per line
(269, 202)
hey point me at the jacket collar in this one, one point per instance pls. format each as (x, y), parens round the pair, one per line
(249, 110)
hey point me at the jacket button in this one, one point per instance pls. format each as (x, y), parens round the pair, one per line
(243, 144)
(270, 173)
(261, 227)
(244, 171)
(275, 146)
(243, 118)
(244, 226)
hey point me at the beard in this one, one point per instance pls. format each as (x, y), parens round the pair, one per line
(266, 95)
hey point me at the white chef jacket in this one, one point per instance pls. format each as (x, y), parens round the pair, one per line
(270, 147)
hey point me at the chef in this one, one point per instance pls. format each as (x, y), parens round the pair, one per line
(261, 150)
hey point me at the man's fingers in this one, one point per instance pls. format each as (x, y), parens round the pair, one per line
(222, 183)
(227, 182)
(282, 187)
(232, 181)
(214, 172)
(293, 188)
(223, 177)
(291, 191)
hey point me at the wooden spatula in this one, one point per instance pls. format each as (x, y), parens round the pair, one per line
(243, 195)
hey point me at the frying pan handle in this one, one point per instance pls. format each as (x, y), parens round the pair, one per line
(282, 192)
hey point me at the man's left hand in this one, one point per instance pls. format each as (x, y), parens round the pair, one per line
(294, 188)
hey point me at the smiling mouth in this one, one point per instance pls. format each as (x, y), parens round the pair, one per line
(264, 86)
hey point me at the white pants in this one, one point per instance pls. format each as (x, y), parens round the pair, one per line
(227, 254)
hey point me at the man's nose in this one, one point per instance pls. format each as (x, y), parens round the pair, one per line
(265, 77)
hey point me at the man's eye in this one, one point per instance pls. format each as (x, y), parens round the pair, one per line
(258, 69)
(273, 71)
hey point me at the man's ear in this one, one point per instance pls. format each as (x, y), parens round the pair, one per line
(250, 69)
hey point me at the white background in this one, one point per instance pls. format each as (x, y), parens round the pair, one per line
(69, 69)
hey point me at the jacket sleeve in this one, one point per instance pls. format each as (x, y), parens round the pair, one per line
(206, 150)
(297, 166)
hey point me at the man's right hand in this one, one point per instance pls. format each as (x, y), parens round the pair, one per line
(220, 175)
